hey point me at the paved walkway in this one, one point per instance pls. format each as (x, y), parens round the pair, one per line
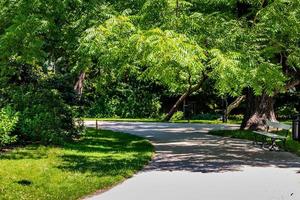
(191, 165)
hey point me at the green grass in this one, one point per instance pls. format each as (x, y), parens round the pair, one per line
(290, 146)
(159, 120)
(99, 160)
(200, 121)
(205, 121)
(124, 119)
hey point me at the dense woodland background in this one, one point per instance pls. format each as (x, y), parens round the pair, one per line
(65, 59)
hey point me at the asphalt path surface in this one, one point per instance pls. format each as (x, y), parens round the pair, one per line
(192, 165)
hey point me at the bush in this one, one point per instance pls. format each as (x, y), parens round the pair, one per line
(206, 116)
(8, 121)
(132, 106)
(179, 115)
(45, 117)
(236, 117)
(286, 112)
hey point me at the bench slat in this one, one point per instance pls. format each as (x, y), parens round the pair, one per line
(278, 125)
(271, 135)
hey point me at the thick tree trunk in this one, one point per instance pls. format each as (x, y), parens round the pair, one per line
(259, 109)
(190, 91)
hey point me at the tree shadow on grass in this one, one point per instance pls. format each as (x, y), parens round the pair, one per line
(108, 166)
(29, 152)
(108, 141)
(107, 153)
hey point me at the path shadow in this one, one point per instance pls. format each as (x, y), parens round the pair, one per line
(186, 147)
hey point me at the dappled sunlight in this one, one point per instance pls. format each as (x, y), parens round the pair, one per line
(186, 147)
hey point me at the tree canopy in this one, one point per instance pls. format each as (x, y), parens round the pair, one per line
(123, 50)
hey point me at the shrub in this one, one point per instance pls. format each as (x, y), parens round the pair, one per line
(286, 112)
(236, 117)
(46, 118)
(125, 107)
(207, 116)
(177, 116)
(8, 121)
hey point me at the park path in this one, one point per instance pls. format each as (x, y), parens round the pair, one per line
(191, 165)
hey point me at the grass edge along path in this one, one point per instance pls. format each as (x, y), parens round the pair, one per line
(290, 146)
(99, 160)
(200, 121)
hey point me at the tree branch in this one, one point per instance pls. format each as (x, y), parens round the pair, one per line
(292, 84)
(236, 103)
(79, 84)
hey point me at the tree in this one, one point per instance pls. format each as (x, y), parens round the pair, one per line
(165, 56)
(256, 52)
(276, 26)
(232, 46)
(37, 43)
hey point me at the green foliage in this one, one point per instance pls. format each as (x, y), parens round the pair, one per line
(179, 115)
(8, 121)
(45, 117)
(172, 58)
(127, 45)
(236, 117)
(129, 106)
(154, 13)
(286, 112)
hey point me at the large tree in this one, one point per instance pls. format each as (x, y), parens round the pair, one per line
(256, 51)
(245, 46)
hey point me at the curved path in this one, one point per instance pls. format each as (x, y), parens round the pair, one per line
(192, 165)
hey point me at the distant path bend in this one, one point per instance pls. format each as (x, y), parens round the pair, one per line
(191, 165)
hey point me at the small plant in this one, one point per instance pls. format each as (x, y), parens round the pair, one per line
(179, 115)
(8, 120)
(236, 117)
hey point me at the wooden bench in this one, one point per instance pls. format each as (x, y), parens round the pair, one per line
(273, 136)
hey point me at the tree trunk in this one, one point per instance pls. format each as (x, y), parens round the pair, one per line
(259, 109)
(235, 104)
(79, 84)
(190, 91)
(176, 105)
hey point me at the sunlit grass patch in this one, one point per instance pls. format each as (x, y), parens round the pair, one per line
(97, 161)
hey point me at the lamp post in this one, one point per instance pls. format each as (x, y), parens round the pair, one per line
(296, 128)
(224, 105)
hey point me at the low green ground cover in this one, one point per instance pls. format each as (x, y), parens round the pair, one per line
(204, 121)
(291, 145)
(98, 160)
(159, 120)
(124, 119)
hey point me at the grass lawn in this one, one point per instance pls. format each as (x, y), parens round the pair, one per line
(205, 121)
(291, 145)
(99, 160)
(159, 120)
(124, 119)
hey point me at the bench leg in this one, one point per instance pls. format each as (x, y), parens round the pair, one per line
(272, 148)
